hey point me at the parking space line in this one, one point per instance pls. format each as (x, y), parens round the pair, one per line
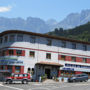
(11, 87)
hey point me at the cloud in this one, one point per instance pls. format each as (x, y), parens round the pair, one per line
(5, 9)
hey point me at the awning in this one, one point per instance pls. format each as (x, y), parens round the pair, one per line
(49, 63)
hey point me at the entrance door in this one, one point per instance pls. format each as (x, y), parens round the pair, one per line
(47, 71)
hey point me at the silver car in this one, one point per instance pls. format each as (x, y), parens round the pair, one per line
(78, 78)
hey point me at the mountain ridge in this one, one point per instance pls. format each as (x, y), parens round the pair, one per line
(34, 24)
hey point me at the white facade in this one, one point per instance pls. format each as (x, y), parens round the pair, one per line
(41, 48)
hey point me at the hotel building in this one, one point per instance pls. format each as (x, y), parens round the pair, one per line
(40, 54)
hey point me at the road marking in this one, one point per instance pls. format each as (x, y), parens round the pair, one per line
(40, 88)
(11, 87)
(37, 84)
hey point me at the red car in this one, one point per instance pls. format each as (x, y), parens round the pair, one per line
(24, 78)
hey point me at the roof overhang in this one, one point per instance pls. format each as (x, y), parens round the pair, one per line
(41, 35)
(49, 63)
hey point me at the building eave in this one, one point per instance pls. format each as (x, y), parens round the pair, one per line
(49, 63)
(41, 35)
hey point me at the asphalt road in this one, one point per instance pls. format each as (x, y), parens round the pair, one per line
(46, 86)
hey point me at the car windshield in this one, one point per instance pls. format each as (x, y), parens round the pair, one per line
(73, 76)
(78, 75)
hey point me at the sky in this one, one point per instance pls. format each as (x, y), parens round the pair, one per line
(44, 9)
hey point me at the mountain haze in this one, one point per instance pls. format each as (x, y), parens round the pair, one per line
(75, 19)
(30, 24)
(41, 26)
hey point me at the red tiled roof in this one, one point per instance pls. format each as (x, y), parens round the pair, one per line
(49, 63)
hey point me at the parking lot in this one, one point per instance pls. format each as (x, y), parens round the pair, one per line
(46, 86)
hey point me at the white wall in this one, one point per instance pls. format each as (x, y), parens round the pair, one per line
(41, 49)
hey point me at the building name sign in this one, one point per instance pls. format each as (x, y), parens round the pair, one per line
(77, 66)
(8, 62)
(4, 70)
(8, 58)
(68, 69)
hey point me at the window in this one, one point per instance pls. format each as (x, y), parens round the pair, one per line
(3, 52)
(32, 39)
(1, 40)
(16, 75)
(9, 68)
(5, 39)
(12, 38)
(25, 75)
(32, 71)
(19, 52)
(63, 57)
(85, 47)
(11, 52)
(20, 75)
(4, 67)
(32, 54)
(0, 53)
(73, 45)
(29, 70)
(66, 73)
(19, 37)
(78, 75)
(17, 69)
(63, 44)
(1, 67)
(49, 42)
(48, 55)
(73, 59)
(84, 60)
(39, 67)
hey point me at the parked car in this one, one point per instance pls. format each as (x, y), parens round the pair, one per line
(78, 78)
(24, 78)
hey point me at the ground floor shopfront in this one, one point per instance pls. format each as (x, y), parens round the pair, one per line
(47, 69)
(58, 70)
(7, 70)
(9, 66)
(66, 73)
(72, 68)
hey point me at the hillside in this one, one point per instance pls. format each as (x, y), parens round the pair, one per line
(79, 33)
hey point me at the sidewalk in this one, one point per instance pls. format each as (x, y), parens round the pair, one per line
(50, 81)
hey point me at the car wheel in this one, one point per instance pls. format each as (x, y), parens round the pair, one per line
(9, 82)
(86, 80)
(74, 80)
(25, 82)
